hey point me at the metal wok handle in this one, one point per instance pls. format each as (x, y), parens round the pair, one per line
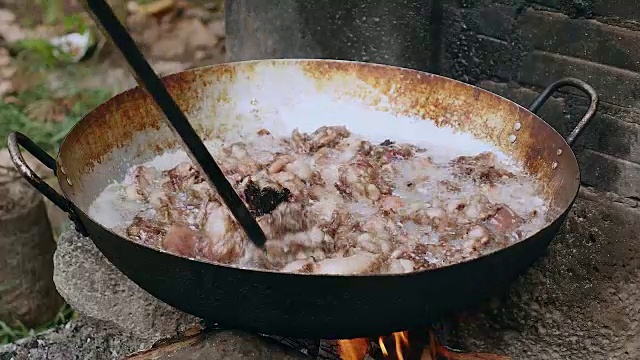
(14, 142)
(574, 83)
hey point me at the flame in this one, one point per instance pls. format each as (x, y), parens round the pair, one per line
(382, 347)
(396, 346)
(353, 349)
(357, 349)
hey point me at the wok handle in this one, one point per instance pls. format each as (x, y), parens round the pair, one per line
(15, 140)
(574, 83)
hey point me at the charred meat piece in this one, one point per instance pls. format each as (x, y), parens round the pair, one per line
(265, 200)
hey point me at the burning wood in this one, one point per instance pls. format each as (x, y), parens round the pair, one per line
(354, 349)
(398, 346)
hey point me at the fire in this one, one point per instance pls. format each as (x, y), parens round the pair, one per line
(396, 346)
(354, 349)
(357, 349)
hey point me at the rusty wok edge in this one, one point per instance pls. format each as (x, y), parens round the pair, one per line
(289, 316)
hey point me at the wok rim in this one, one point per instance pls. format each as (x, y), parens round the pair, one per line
(560, 213)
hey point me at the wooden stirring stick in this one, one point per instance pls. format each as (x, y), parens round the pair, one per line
(145, 76)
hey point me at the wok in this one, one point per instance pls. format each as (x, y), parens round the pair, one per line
(374, 100)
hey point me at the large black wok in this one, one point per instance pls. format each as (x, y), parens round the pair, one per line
(374, 100)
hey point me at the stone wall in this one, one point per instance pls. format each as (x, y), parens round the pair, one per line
(515, 48)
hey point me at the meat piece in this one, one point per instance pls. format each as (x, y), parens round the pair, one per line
(358, 263)
(486, 159)
(399, 152)
(479, 234)
(263, 201)
(286, 218)
(301, 142)
(355, 178)
(147, 231)
(299, 266)
(280, 163)
(181, 240)
(182, 177)
(328, 136)
(391, 203)
(142, 180)
(400, 266)
(482, 167)
(289, 182)
(302, 169)
(503, 220)
(219, 220)
(227, 249)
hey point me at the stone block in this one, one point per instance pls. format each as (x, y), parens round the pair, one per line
(556, 4)
(581, 301)
(88, 339)
(97, 289)
(616, 86)
(223, 345)
(81, 339)
(497, 21)
(609, 173)
(629, 115)
(611, 136)
(584, 39)
(626, 9)
(558, 33)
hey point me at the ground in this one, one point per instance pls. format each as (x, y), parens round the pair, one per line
(43, 95)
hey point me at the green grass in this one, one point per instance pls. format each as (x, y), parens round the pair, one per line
(30, 112)
(13, 332)
(47, 134)
(29, 115)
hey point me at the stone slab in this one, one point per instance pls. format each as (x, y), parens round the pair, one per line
(224, 345)
(581, 301)
(88, 339)
(97, 289)
(610, 173)
(82, 339)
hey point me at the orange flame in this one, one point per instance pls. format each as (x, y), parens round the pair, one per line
(396, 346)
(357, 349)
(382, 346)
(353, 349)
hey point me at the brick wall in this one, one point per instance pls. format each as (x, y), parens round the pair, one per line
(517, 47)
